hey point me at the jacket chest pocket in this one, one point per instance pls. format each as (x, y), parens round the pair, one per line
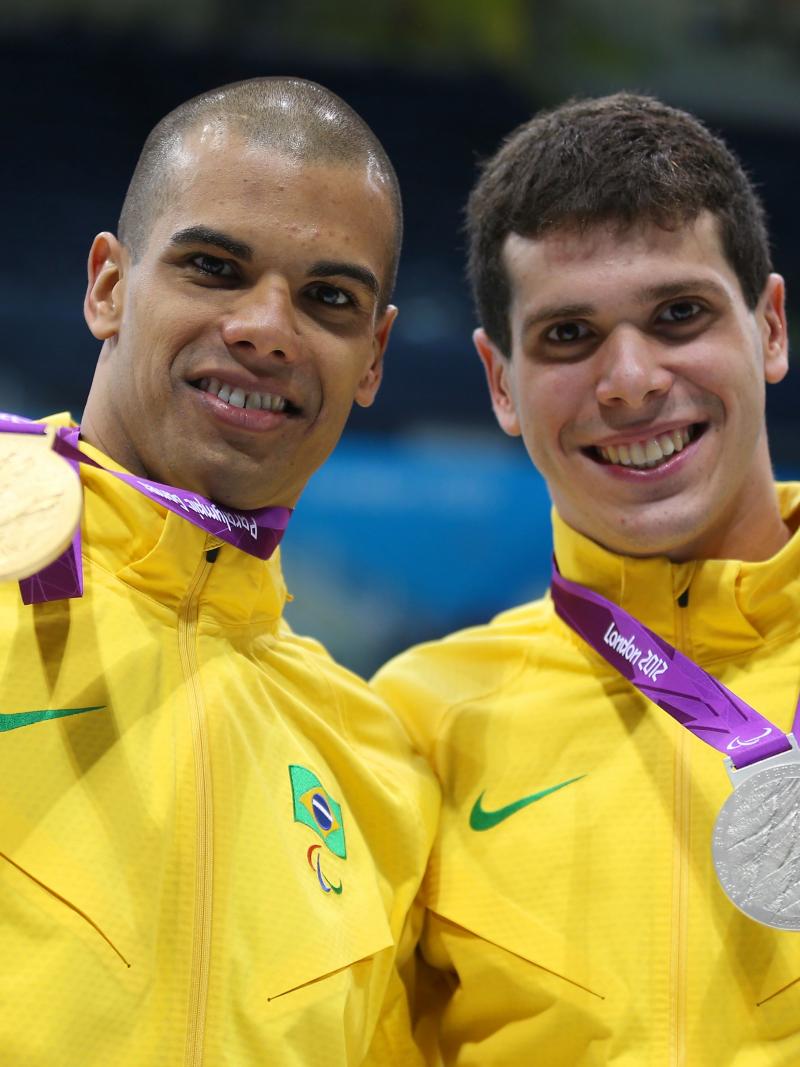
(539, 951)
(495, 895)
(320, 914)
(311, 960)
(47, 894)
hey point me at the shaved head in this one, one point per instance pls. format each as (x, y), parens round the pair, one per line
(290, 116)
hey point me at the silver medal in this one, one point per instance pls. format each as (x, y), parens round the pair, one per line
(756, 841)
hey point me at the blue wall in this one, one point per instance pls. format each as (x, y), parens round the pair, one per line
(400, 539)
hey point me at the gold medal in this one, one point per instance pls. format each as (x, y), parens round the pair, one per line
(40, 504)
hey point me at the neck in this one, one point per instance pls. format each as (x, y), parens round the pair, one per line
(104, 428)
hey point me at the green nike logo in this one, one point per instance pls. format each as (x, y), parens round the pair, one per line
(480, 819)
(26, 718)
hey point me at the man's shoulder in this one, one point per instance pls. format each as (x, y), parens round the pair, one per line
(475, 650)
(356, 710)
(428, 681)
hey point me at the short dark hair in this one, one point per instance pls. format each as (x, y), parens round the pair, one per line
(291, 115)
(621, 159)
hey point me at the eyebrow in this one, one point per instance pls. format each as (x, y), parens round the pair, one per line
(682, 287)
(204, 235)
(667, 291)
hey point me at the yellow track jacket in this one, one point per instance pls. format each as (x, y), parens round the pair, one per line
(575, 918)
(210, 834)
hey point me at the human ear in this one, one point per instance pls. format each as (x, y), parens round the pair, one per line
(371, 379)
(498, 378)
(102, 306)
(771, 313)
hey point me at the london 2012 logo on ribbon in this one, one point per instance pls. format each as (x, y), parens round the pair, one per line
(316, 809)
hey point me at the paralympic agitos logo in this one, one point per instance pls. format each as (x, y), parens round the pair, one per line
(316, 809)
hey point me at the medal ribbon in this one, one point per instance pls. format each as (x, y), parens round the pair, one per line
(256, 532)
(683, 689)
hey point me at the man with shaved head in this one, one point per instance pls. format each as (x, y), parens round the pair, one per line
(211, 835)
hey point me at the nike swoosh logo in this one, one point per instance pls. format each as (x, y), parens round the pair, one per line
(480, 819)
(14, 720)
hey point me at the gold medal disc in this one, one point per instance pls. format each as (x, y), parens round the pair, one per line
(40, 504)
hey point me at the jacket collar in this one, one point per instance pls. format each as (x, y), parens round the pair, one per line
(731, 606)
(159, 554)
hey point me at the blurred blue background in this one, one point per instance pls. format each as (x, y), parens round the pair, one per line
(427, 518)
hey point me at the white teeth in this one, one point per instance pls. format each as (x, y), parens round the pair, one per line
(653, 452)
(638, 455)
(238, 398)
(667, 445)
(649, 453)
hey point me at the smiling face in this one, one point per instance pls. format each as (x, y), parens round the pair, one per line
(237, 341)
(636, 379)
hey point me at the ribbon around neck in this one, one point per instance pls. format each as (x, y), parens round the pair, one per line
(692, 696)
(257, 532)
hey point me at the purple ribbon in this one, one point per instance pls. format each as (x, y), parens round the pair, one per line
(256, 532)
(63, 578)
(683, 689)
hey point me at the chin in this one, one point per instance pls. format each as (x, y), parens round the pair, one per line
(677, 544)
(251, 500)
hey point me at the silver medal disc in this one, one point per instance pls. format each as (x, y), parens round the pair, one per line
(756, 844)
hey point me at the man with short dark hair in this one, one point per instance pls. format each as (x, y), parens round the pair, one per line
(576, 913)
(211, 835)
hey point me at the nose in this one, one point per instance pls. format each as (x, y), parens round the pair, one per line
(631, 369)
(262, 322)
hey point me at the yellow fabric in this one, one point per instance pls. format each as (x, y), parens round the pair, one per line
(588, 928)
(158, 901)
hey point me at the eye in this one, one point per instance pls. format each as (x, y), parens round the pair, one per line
(213, 266)
(567, 333)
(680, 311)
(330, 295)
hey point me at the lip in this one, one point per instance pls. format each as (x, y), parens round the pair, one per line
(250, 419)
(645, 434)
(242, 380)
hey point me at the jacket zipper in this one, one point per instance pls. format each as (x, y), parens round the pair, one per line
(201, 939)
(680, 870)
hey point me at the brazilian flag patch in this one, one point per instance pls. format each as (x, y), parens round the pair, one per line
(316, 808)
